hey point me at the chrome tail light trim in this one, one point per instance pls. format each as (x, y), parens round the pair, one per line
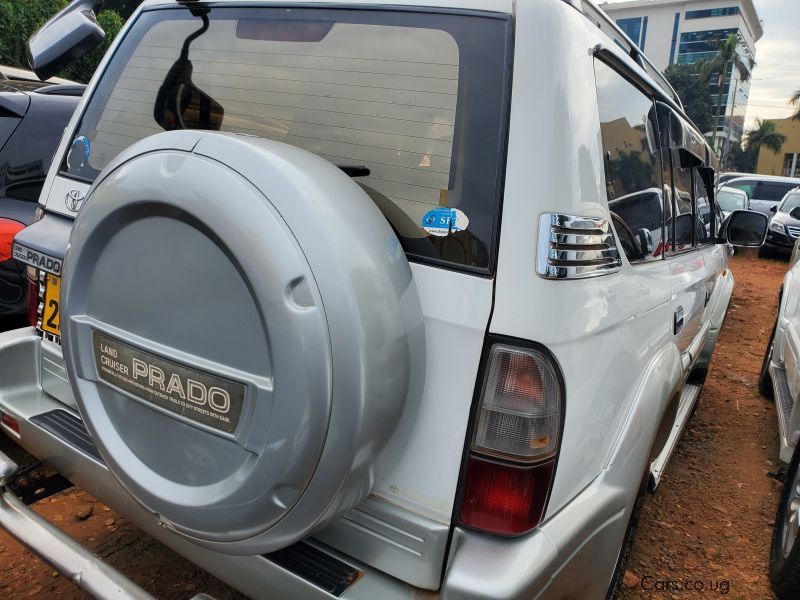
(573, 247)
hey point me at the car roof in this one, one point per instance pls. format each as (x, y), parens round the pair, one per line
(772, 178)
(504, 6)
(14, 73)
(731, 190)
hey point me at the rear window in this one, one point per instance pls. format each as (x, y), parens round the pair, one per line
(417, 101)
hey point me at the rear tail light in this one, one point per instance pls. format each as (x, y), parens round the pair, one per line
(510, 467)
(10, 423)
(8, 229)
(520, 411)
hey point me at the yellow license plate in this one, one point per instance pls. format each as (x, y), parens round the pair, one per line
(51, 316)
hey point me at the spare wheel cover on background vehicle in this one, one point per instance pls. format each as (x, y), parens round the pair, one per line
(236, 332)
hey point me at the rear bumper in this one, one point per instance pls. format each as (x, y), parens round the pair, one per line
(571, 555)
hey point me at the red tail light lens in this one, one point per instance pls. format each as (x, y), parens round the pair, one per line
(10, 422)
(504, 499)
(8, 229)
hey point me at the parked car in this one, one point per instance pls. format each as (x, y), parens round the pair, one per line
(730, 199)
(764, 191)
(723, 178)
(293, 341)
(32, 120)
(780, 379)
(784, 226)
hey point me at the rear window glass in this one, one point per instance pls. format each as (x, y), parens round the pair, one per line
(410, 101)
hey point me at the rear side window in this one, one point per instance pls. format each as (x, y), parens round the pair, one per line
(632, 168)
(682, 228)
(746, 186)
(772, 191)
(412, 101)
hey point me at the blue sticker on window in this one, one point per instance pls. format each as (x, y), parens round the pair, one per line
(78, 154)
(444, 221)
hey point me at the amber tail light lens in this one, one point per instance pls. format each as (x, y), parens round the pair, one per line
(511, 462)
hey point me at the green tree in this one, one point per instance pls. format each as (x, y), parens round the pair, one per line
(764, 134)
(83, 69)
(742, 159)
(19, 20)
(727, 60)
(691, 84)
(795, 101)
(123, 7)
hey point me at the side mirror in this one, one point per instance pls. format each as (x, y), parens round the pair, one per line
(180, 104)
(745, 228)
(66, 37)
(773, 208)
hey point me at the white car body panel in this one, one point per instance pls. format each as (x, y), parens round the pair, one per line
(612, 336)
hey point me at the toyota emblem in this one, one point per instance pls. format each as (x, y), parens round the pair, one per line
(74, 199)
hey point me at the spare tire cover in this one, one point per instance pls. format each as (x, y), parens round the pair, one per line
(236, 332)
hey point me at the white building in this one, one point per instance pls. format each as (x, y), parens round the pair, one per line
(678, 32)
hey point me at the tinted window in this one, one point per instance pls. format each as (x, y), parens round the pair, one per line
(632, 170)
(705, 221)
(683, 232)
(773, 191)
(417, 99)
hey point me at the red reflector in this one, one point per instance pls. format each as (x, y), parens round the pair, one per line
(10, 422)
(504, 499)
(8, 229)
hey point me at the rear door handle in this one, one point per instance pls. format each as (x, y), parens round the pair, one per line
(678, 319)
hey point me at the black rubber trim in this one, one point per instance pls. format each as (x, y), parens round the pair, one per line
(316, 566)
(68, 428)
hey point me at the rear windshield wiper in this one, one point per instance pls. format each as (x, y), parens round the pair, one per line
(355, 170)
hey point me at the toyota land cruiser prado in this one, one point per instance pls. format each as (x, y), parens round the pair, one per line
(365, 299)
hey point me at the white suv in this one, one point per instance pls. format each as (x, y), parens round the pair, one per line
(366, 299)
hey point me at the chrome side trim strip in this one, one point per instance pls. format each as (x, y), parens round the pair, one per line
(572, 247)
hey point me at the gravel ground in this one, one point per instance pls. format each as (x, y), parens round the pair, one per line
(708, 525)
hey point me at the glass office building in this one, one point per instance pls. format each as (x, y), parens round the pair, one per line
(684, 32)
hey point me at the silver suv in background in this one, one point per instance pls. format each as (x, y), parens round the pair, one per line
(764, 191)
(344, 300)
